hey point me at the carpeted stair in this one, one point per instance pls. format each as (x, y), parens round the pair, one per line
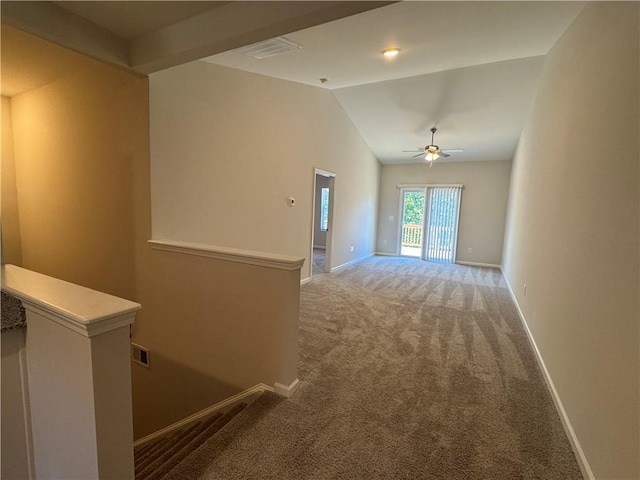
(155, 459)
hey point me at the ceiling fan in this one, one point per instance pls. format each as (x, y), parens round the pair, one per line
(432, 152)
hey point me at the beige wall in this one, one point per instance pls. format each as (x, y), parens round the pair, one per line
(213, 328)
(73, 179)
(572, 232)
(482, 211)
(11, 247)
(229, 147)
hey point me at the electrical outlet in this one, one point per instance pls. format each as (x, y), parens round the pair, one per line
(140, 355)
(469, 250)
(524, 289)
(384, 242)
(391, 218)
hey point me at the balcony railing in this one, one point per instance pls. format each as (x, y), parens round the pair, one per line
(412, 235)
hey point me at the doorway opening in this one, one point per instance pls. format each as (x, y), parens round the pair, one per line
(322, 231)
(429, 227)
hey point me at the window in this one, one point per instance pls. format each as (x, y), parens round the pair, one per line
(324, 210)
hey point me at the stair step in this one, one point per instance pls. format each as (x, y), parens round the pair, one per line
(170, 441)
(187, 449)
(163, 457)
(157, 447)
(140, 450)
(144, 468)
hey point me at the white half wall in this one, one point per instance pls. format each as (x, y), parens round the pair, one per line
(227, 150)
(572, 232)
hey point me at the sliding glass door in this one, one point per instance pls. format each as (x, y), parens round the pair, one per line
(429, 227)
(442, 224)
(412, 229)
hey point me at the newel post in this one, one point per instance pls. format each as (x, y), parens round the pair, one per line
(79, 377)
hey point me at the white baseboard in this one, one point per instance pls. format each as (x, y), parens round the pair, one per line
(587, 473)
(286, 390)
(479, 264)
(385, 254)
(320, 247)
(304, 281)
(344, 265)
(220, 406)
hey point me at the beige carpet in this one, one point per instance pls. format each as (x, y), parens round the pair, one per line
(318, 259)
(409, 370)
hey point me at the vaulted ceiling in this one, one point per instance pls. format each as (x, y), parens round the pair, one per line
(468, 68)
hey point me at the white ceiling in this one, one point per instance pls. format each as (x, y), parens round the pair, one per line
(131, 19)
(469, 68)
(433, 36)
(480, 109)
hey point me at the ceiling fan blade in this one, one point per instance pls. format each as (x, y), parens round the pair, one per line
(452, 150)
(414, 150)
(418, 155)
(443, 154)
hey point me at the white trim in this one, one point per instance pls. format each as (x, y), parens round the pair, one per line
(85, 311)
(329, 232)
(286, 390)
(566, 423)
(455, 241)
(250, 257)
(385, 254)
(320, 247)
(324, 173)
(26, 410)
(304, 281)
(428, 185)
(256, 389)
(344, 265)
(87, 329)
(479, 264)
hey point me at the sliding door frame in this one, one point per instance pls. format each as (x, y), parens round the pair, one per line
(426, 188)
(404, 189)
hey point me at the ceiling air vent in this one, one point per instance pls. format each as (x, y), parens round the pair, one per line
(269, 48)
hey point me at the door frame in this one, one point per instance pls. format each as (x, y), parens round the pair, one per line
(329, 243)
(411, 188)
(425, 187)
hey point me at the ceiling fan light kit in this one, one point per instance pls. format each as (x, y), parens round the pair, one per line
(390, 52)
(432, 152)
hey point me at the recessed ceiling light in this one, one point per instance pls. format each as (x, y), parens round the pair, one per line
(391, 52)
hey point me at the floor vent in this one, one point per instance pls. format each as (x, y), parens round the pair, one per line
(269, 48)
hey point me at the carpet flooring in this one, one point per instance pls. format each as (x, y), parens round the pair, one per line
(318, 259)
(409, 370)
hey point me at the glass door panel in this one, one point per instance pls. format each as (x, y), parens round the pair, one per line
(412, 233)
(442, 225)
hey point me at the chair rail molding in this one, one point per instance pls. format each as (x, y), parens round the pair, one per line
(251, 257)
